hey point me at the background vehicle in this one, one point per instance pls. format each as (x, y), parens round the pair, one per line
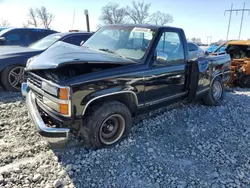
(122, 70)
(13, 59)
(212, 48)
(2, 28)
(195, 51)
(239, 50)
(22, 36)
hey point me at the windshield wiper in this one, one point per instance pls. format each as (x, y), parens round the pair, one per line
(112, 52)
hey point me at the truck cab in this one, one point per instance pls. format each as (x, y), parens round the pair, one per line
(121, 71)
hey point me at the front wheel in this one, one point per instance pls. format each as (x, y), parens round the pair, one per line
(215, 94)
(12, 78)
(106, 124)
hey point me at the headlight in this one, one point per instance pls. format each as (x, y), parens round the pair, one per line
(50, 89)
(60, 93)
(62, 108)
(51, 104)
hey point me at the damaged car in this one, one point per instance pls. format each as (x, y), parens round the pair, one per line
(97, 89)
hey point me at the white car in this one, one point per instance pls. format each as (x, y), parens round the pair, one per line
(195, 51)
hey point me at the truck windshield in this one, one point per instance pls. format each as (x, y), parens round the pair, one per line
(126, 42)
(45, 42)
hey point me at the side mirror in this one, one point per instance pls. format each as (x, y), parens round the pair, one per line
(161, 57)
(2, 40)
(82, 43)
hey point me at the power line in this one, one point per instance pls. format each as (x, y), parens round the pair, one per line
(242, 17)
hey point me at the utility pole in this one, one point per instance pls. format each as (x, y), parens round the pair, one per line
(243, 11)
(229, 23)
(87, 19)
(73, 19)
(209, 37)
(242, 18)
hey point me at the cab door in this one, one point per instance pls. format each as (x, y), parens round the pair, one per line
(165, 80)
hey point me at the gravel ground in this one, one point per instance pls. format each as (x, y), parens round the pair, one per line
(190, 145)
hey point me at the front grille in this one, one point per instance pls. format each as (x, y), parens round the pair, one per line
(38, 95)
(36, 81)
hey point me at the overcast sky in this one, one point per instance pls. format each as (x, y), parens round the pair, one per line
(199, 18)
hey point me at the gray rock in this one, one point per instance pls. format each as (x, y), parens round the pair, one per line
(70, 173)
(1, 179)
(215, 174)
(182, 184)
(62, 173)
(75, 167)
(57, 183)
(69, 167)
(215, 185)
(48, 186)
(36, 177)
(150, 150)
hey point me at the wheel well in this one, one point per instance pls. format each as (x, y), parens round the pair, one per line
(128, 99)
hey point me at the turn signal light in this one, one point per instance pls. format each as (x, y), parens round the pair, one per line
(64, 109)
(64, 94)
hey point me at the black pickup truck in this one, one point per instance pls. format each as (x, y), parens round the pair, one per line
(95, 90)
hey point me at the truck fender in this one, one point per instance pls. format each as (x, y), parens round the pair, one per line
(193, 79)
(100, 95)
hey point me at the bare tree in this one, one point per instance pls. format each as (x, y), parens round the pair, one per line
(4, 23)
(196, 40)
(220, 42)
(45, 17)
(113, 14)
(139, 11)
(32, 18)
(25, 25)
(160, 18)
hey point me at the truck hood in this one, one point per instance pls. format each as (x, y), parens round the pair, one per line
(61, 54)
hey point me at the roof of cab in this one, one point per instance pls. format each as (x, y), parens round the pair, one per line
(148, 26)
(240, 42)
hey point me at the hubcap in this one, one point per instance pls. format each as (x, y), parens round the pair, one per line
(17, 77)
(112, 129)
(217, 90)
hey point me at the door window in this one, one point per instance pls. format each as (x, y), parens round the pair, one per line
(192, 47)
(170, 43)
(12, 37)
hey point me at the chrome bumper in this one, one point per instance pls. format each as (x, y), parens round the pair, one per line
(37, 119)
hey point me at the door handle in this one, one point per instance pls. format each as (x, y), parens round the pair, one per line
(176, 76)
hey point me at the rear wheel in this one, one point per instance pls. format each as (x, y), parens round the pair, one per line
(12, 78)
(244, 81)
(106, 124)
(215, 94)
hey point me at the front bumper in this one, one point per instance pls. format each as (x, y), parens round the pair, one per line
(37, 119)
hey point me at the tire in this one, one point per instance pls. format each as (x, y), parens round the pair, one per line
(214, 99)
(12, 78)
(110, 119)
(244, 81)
